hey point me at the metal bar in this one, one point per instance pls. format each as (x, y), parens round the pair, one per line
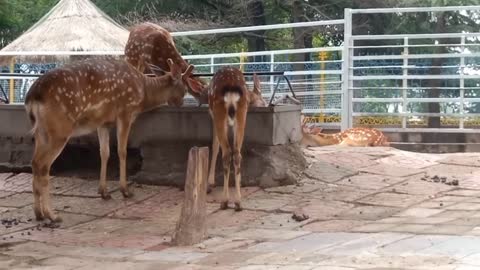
(413, 77)
(261, 73)
(415, 45)
(429, 130)
(289, 86)
(273, 92)
(414, 9)
(56, 53)
(256, 28)
(405, 81)
(272, 69)
(346, 71)
(415, 56)
(289, 51)
(462, 82)
(456, 115)
(414, 36)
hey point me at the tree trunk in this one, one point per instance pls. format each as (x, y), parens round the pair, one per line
(256, 41)
(191, 227)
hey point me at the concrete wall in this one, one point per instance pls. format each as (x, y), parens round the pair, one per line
(161, 140)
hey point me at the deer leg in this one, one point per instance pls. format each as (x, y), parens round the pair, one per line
(237, 157)
(45, 154)
(123, 129)
(213, 163)
(104, 141)
(222, 137)
(38, 157)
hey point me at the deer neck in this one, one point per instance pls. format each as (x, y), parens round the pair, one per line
(157, 91)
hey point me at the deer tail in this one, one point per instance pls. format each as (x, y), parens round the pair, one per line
(231, 97)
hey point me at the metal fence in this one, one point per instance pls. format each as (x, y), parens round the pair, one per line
(349, 86)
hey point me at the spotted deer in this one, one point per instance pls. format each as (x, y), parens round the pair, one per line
(349, 137)
(228, 102)
(149, 43)
(90, 95)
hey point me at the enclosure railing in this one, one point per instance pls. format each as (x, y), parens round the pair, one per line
(417, 80)
(396, 90)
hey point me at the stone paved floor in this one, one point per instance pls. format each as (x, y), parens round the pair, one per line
(369, 208)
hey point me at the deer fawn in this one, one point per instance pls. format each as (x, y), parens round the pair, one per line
(349, 137)
(228, 102)
(149, 43)
(90, 95)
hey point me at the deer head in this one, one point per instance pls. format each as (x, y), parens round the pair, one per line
(150, 43)
(255, 96)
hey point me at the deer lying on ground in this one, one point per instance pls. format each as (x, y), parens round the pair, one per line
(228, 101)
(349, 137)
(150, 44)
(90, 95)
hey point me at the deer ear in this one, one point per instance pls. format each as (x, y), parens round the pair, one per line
(256, 84)
(174, 70)
(195, 85)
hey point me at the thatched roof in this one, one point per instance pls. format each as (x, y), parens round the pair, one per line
(72, 25)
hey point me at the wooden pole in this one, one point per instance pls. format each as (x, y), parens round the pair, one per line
(191, 227)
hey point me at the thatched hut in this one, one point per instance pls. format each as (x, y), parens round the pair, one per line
(71, 25)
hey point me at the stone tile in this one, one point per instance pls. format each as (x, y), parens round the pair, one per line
(228, 258)
(370, 181)
(464, 192)
(411, 228)
(217, 193)
(408, 159)
(430, 220)
(82, 188)
(472, 260)
(391, 170)
(332, 267)
(392, 199)
(333, 225)
(419, 212)
(70, 220)
(222, 244)
(450, 198)
(449, 229)
(374, 227)
(368, 212)
(18, 219)
(395, 220)
(170, 256)
(308, 243)
(455, 214)
(464, 206)
(268, 234)
(462, 160)
(327, 172)
(4, 194)
(306, 187)
(349, 160)
(145, 206)
(276, 221)
(90, 206)
(268, 201)
(419, 187)
(319, 209)
(21, 182)
(364, 245)
(465, 221)
(413, 244)
(340, 193)
(231, 218)
(434, 204)
(470, 182)
(17, 200)
(455, 247)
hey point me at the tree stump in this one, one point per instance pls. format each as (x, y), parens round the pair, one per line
(190, 228)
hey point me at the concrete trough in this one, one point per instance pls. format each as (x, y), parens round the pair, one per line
(162, 138)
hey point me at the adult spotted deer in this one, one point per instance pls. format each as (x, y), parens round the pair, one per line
(90, 95)
(228, 101)
(149, 43)
(349, 137)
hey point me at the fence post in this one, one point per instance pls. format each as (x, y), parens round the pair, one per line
(347, 72)
(212, 63)
(462, 82)
(272, 69)
(405, 81)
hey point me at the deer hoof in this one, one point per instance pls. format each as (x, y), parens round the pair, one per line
(210, 188)
(106, 196)
(224, 205)
(56, 219)
(238, 207)
(38, 214)
(127, 194)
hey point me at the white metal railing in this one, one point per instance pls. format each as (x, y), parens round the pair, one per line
(398, 72)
